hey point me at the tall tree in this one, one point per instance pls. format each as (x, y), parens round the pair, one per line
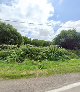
(69, 39)
(9, 35)
(26, 40)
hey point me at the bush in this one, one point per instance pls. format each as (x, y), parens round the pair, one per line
(34, 53)
(16, 56)
(47, 53)
(50, 53)
(4, 54)
(4, 46)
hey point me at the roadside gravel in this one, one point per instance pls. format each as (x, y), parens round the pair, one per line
(38, 84)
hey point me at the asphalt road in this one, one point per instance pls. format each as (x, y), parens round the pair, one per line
(39, 84)
(75, 89)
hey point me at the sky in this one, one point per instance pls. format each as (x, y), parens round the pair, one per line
(41, 19)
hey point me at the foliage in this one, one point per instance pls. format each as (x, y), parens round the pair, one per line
(26, 40)
(5, 47)
(69, 39)
(51, 53)
(42, 43)
(4, 54)
(47, 53)
(36, 42)
(9, 35)
(30, 69)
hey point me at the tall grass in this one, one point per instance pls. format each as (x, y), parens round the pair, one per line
(30, 61)
(29, 69)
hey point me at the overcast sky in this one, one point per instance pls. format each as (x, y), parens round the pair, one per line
(48, 17)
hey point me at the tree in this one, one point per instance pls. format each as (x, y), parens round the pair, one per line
(69, 39)
(26, 40)
(9, 35)
(42, 43)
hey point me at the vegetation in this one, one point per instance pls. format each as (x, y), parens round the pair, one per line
(22, 57)
(51, 53)
(68, 39)
(9, 35)
(27, 62)
(30, 69)
(26, 40)
(36, 42)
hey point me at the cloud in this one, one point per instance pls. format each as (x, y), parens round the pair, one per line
(37, 12)
(69, 25)
(29, 11)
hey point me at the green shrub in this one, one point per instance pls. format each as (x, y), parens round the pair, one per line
(50, 53)
(12, 57)
(47, 53)
(4, 54)
(4, 46)
(16, 56)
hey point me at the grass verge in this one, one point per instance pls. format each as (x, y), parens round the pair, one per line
(31, 69)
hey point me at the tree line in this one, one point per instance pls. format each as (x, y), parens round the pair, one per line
(69, 39)
(10, 36)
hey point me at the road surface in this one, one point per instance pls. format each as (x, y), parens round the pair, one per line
(40, 84)
(75, 89)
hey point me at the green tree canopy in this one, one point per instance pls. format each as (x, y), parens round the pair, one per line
(42, 43)
(36, 42)
(69, 39)
(9, 35)
(26, 40)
